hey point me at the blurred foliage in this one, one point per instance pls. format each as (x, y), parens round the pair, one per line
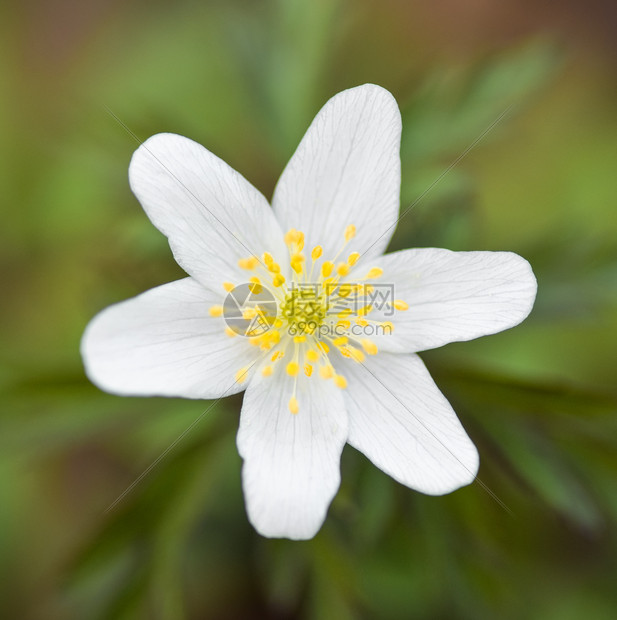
(536, 123)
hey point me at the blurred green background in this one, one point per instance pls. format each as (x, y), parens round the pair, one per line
(245, 78)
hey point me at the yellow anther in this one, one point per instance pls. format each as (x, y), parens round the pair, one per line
(293, 405)
(361, 322)
(330, 285)
(350, 232)
(317, 252)
(340, 381)
(268, 258)
(267, 371)
(312, 355)
(278, 280)
(278, 323)
(248, 263)
(308, 370)
(339, 342)
(242, 374)
(369, 346)
(299, 338)
(344, 324)
(345, 352)
(255, 286)
(274, 337)
(343, 314)
(355, 354)
(399, 304)
(274, 268)
(216, 310)
(290, 236)
(368, 288)
(277, 355)
(323, 346)
(353, 258)
(230, 332)
(364, 311)
(342, 269)
(374, 272)
(326, 372)
(292, 369)
(327, 268)
(345, 290)
(388, 327)
(228, 286)
(297, 262)
(300, 240)
(249, 313)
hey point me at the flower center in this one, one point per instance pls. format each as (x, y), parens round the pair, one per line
(322, 311)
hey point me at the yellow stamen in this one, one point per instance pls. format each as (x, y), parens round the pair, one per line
(345, 290)
(364, 311)
(274, 268)
(296, 262)
(292, 369)
(355, 354)
(248, 263)
(308, 370)
(230, 332)
(326, 268)
(216, 311)
(267, 371)
(344, 324)
(312, 355)
(228, 286)
(353, 258)
(299, 338)
(344, 313)
(249, 313)
(326, 372)
(399, 304)
(342, 269)
(242, 374)
(388, 327)
(350, 232)
(317, 252)
(339, 342)
(340, 381)
(268, 259)
(277, 355)
(290, 236)
(361, 322)
(255, 286)
(278, 280)
(323, 346)
(374, 272)
(293, 405)
(369, 346)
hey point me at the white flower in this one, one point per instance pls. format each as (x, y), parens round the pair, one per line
(307, 392)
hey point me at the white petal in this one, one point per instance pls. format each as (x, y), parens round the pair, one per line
(164, 343)
(453, 296)
(291, 462)
(346, 170)
(401, 421)
(210, 213)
